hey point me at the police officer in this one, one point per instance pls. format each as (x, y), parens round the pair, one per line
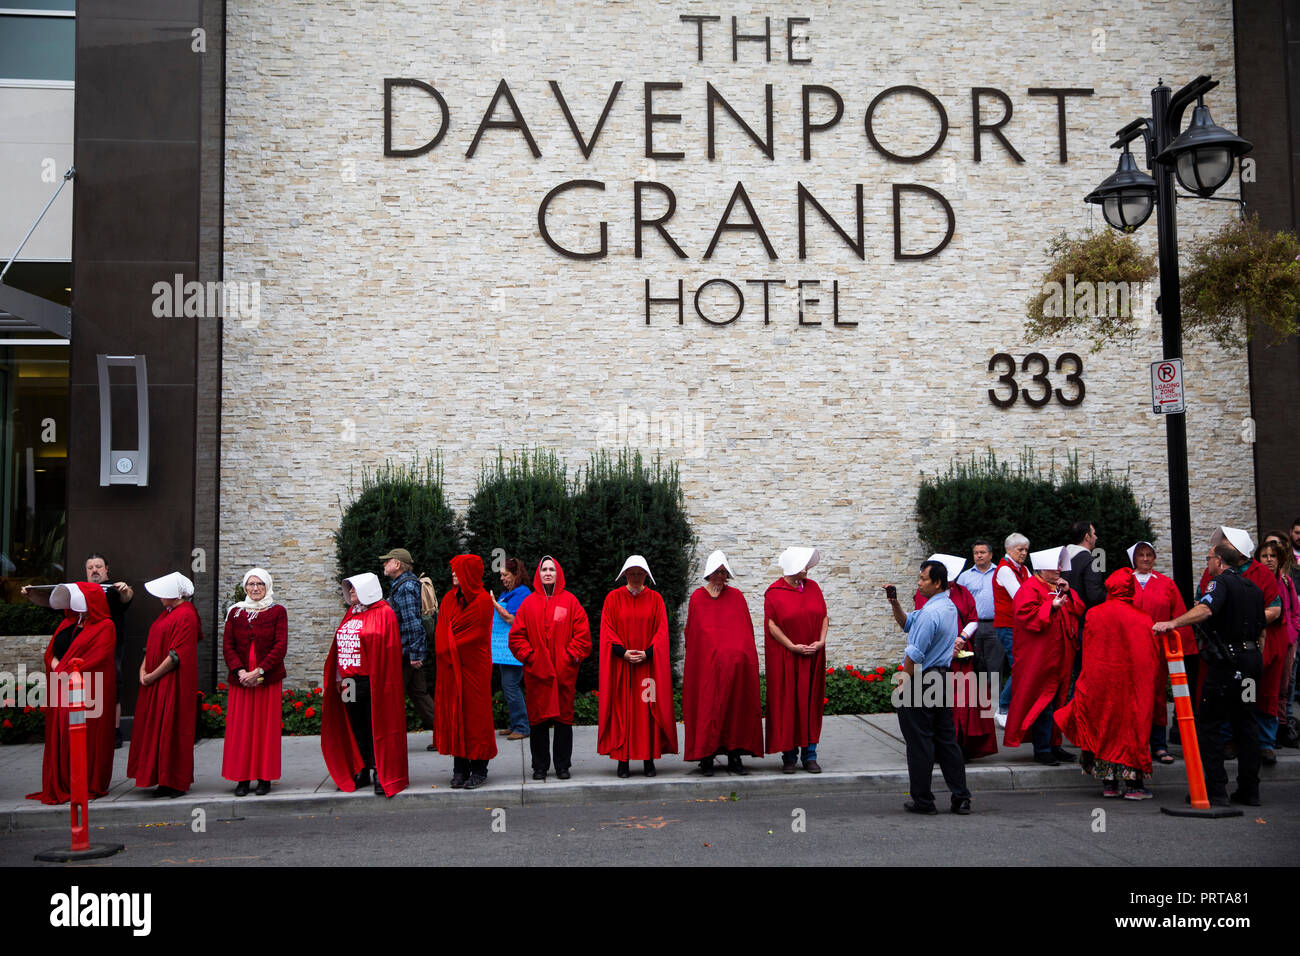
(1231, 655)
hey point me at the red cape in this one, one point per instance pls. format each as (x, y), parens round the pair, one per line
(720, 698)
(381, 653)
(1112, 708)
(1043, 644)
(1161, 601)
(462, 642)
(1276, 642)
(977, 735)
(94, 646)
(796, 685)
(636, 700)
(550, 637)
(162, 734)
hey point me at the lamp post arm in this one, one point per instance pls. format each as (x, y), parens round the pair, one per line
(1183, 99)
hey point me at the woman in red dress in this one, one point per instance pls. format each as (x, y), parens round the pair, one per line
(85, 639)
(794, 631)
(636, 720)
(256, 638)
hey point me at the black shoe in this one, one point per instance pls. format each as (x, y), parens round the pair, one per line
(812, 766)
(912, 806)
(624, 770)
(168, 792)
(117, 739)
(706, 766)
(648, 768)
(539, 775)
(1244, 800)
(790, 767)
(1221, 801)
(961, 806)
(1063, 755)
(734, 766)
(362, 778)
(1047, 759)
(1268, 756)
(263, 787)
(379, 787)
(563, 774)
(475, 781)
(458, 781)
(241, 788)
(432, 748)
(1230, 750)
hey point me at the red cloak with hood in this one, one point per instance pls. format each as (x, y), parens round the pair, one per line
(636, 700)
(550, 637)
(1112, 708)
(94, 647)
(381, 657)
(162, 734)
(1276, 641)
(462, 642)
(796, 684)
(1044, 640)
(720, 696)
(1161, 601)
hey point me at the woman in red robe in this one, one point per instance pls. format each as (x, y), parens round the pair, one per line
(636, 719)
(462, 642)
(1158, 597)
(1110, 715)
(550, 637)
(363, 705)
(255, 640)
(85, 640)
(720, 689)
(794, 632)
(162, 734)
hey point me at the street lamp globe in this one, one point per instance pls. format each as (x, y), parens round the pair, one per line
(1203, 154)
(1127, 196)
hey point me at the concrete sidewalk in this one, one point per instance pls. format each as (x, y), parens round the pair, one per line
(857, 753)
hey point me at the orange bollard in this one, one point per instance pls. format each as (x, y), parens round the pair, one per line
(80, 793)
(1200, 800)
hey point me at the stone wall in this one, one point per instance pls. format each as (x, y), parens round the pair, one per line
(410, 303)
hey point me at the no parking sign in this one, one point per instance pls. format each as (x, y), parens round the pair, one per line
(1167, 387)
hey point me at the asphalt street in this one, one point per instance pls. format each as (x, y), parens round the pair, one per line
(1034, 828)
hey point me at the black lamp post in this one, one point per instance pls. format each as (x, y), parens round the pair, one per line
(1202, 157)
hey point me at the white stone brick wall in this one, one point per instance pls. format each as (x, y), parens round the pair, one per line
(408, 304)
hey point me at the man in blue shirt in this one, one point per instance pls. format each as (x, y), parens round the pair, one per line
(979, 582)
(404, 599)
(924, 715)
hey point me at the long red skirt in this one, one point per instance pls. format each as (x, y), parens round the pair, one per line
(252, 748)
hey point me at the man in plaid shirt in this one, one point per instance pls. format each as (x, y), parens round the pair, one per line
(404, 599)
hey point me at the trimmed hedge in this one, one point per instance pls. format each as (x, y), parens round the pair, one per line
(987, 498)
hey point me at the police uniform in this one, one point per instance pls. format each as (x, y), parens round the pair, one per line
(1231, 683)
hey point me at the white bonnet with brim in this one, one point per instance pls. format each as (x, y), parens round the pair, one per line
(171, 586)
(794, 560)
(1049, 559)
(635, 561)
(1132, 549)
(1236, 537)
(951, 563)
(717, 560)
(68, 597)
(369, 590)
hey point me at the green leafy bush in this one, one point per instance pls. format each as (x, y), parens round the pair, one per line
(987, 498)
(16, 619)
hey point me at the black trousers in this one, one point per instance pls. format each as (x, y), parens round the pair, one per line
(359, 718)
(540, 744)
(930, 734)
(465, 766)
(1222, 702)
(416, 681)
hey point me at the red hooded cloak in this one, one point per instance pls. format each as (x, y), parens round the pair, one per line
(636, 700)
(1111, 711)
(1044, 640)
(550, 637)
(1161, 601)
(796, 684)
(162, 734)
(1276, 641)
(720, 693)
(381, 656)
(462, 642)
(94, 647)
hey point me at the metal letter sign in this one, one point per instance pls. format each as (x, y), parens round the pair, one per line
(1167, 387)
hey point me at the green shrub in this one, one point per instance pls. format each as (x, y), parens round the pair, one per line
(399, 506)
(21, 619)
(989, 499)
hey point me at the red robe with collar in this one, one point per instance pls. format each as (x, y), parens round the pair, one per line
(1276, 641)
(1044, 641)
(1161, 601)
(381, 657)
(796, 684)
(162, 734)
(550, 637)
(636, 718)
(720, 690)
(462, 643)
(94, 648)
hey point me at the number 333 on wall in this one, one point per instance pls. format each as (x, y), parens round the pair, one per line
(1038, 391)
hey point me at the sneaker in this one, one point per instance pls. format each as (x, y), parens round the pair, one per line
(475, 781)
(1110, 788)
(1047, 759)
(1000, 719)
(458, 781)
(1139, 793)
(1063, 755)
(961, 807)
(913, 807)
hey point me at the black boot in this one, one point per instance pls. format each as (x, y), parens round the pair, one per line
(362, 778)
(735, 766)
(623, 769)
(263, 787)
(241, 788)
(706, 766)
(648, 766)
